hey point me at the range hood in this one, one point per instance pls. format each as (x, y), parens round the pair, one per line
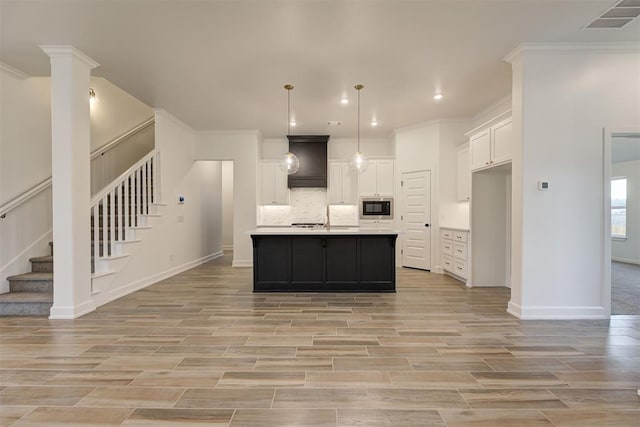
(311, 150)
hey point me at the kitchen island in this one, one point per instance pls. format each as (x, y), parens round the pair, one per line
(323, 260)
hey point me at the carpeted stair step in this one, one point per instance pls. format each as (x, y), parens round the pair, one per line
(26, 303)
(31, 282)
(42, 264)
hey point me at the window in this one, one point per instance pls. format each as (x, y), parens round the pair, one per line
(619, 207)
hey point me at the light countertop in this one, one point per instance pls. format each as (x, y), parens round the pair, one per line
(454, 228)
(283, 231)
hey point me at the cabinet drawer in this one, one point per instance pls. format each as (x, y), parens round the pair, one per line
(460, 236)
(446, 247)
(460, 268)
(460, 250)
(447, 262)
(446, 234)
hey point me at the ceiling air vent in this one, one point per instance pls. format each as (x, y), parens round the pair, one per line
(618, 16)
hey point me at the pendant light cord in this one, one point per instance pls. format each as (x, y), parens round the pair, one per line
(288, 111)
(358, 120)
(359, 88)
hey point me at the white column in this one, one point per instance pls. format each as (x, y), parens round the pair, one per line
(70, 133)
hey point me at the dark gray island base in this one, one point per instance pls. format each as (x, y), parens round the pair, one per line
(324, 262)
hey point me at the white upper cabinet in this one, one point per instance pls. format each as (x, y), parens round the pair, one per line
(463, 175)
(342, 184)
(491, 146)
(274, 184)
(377, 180)
(502, 142)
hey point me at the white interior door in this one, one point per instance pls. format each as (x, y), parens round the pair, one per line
(416, 220)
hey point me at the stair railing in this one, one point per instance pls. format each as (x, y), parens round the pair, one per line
(40, 187)
(23, 197)
(117, 207)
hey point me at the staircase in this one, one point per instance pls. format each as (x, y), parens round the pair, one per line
(31, 294)
(120, 215)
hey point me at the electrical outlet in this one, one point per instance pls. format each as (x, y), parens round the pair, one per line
(180, 218)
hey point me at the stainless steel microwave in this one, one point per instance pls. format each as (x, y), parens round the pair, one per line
(376, 208)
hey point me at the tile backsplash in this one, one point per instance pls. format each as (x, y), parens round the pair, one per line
(307, 205)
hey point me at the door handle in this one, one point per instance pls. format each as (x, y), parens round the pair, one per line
(426, 225)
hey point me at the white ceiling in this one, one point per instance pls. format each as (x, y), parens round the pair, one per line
(222, 64)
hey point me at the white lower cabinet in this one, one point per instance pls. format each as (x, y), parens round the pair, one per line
(453, 251)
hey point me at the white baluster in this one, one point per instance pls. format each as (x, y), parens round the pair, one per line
(143, 171)
(127, 183)
(96, 235)
(111, 233)
(104, 226)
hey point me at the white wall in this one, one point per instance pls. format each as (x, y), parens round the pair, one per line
(186, 234)
(227, 205)
(432, 146)
(25, 160)
(417, 149)
(243, 148)
(628, 250)
(562, 98)
(114, 113)
(25, 133)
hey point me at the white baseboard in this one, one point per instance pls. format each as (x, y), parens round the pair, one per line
(150, 280)
(626, 260)
(71, 312)
(227, 247)
(438, 270)
(242, 263)
(556, 313)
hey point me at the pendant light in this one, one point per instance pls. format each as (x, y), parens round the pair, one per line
(289, 163)
(358, 163)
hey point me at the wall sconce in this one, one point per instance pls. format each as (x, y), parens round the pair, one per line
(92, 96)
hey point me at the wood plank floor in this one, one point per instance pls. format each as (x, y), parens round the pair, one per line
(201, 349)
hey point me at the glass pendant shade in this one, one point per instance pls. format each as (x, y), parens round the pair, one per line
(358, 163)
(289, 163)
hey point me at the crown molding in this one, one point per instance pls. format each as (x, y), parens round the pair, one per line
(599, 47)
(13, 72)
(67, 50)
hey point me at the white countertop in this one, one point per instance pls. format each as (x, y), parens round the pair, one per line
(282, 231)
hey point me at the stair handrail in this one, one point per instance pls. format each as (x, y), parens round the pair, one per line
(116, 141)
(24, 196)
(117, 181)
(46, 183)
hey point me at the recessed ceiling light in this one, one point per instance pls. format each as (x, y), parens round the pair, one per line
(374, 123)
(438, 96)
(344, 101)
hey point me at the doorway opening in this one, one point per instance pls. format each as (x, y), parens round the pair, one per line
(622, 213)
